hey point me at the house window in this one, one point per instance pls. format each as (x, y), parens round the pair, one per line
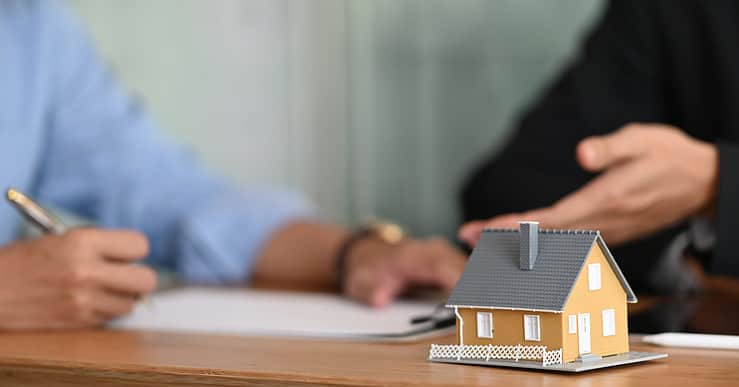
(572, 320)
(609, 322)
(531, 329)
(594, 276)
(485, 325)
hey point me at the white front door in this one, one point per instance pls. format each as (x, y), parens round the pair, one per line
(583, 332)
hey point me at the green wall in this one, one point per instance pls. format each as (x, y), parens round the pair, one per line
(373, 107)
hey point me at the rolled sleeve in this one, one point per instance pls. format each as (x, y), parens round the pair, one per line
(221, 241)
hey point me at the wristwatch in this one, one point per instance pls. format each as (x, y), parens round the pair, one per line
(388, 232)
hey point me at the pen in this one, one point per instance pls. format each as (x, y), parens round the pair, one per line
(36, 214)
(436, 317)
(39, 216)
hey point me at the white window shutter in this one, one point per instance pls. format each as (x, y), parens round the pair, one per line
(572, 320)
(531, 327)
(609, 322)
(594, 276)
(485, 325)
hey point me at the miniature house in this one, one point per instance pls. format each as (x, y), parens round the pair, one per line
(548, 295)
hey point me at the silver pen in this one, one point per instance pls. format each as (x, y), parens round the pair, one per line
(35, 214)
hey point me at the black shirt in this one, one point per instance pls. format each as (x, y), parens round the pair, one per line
(673, 62)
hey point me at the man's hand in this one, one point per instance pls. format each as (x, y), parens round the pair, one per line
(80, 279)
(653, 176)
(377, 272)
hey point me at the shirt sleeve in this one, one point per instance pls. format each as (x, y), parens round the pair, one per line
(104, 160)
(724, 258)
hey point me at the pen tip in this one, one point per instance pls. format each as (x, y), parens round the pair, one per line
(12, 194)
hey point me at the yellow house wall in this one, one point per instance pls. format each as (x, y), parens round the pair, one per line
(508, 328)
(610, 296)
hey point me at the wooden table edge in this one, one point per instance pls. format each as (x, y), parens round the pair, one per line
(208, 376)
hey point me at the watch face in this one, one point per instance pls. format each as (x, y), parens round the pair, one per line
(388, 232)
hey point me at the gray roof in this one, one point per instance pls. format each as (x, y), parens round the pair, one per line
(493, 278)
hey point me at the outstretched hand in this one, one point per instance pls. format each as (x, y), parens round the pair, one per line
(653, 176)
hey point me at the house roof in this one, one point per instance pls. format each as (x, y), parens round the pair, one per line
(493, 277)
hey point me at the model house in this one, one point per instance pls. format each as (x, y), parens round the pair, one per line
(549, 295)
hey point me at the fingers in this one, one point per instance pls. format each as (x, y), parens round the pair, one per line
(580, 209)
(78, 279)
(114, 244)
(599, 152)
(608, 203)
(96, 258)
(378, 279)
(92, 307)
(510, 220)
(383, 295)
(569, 212)
(545, 216)
(373, 286)
(433, 262)
(124, 277)
(622, 191)
(470, 232)
(440, 270)
(586, 207)
(111, 305)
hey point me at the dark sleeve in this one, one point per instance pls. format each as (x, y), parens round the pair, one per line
(615, 79)
(724, 259)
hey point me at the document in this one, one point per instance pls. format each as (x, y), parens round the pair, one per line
(277, 313)
(693, 340)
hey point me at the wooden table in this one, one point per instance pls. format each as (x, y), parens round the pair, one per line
(108, 358)
(114, 358)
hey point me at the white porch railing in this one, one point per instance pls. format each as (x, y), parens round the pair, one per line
(497, 352)
(552, 357)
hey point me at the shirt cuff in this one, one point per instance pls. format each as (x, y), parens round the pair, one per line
(220, 242)
(727, 211)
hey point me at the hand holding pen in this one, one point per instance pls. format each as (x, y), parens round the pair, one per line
(70, 278)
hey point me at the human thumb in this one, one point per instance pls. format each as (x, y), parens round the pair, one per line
(597, 153)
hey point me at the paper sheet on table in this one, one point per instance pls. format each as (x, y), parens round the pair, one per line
(270, 313)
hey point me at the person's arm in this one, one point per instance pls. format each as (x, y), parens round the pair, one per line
(106, 161)
(375, 272)
(615, 79)
(301, 252)
(618, 77)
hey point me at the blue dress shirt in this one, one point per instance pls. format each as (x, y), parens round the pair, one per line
(73, 139)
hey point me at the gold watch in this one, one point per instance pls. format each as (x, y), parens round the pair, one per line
(388, 232)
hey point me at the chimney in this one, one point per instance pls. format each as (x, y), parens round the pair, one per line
(528, 244)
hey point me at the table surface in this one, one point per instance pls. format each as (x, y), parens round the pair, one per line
(108, 358)
(117, 358)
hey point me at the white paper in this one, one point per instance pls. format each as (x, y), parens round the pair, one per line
(693, 340)
(270, 313)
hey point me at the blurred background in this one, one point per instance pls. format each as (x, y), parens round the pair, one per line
(372, 108)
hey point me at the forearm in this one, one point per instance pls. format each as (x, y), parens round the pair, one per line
(301, 252)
